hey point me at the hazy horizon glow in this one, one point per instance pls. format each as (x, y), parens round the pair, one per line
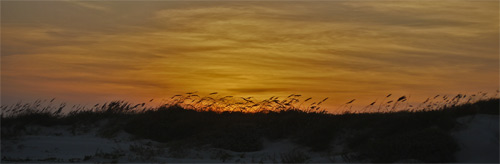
(92, 51)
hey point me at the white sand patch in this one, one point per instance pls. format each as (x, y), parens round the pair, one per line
(478, 139)
(59, 144)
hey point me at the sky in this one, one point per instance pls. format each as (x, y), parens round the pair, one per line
(89, 52)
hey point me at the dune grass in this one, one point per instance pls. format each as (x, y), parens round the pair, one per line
(241, 124)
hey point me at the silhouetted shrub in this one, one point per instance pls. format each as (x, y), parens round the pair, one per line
(426, 145)
(382, 137)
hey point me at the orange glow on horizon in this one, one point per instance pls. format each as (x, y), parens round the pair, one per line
(91, 52)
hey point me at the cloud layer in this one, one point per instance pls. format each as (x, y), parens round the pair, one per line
(343, 50)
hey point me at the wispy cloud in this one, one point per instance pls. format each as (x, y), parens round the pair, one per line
(341, 50)
(88, 5)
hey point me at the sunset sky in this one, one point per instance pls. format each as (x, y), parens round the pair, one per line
(92, 51)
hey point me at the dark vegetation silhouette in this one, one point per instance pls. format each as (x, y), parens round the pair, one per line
(385, 131)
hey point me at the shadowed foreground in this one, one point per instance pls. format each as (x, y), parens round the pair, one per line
(174, 132)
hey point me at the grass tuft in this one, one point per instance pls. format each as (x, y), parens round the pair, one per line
(240, 124)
